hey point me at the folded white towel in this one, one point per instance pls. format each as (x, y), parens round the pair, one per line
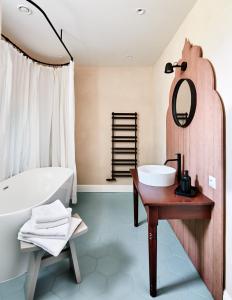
(52, 246)
(28, 230)
(45, 225)
(49, 212)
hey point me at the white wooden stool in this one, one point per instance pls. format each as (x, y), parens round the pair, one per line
(40, 258)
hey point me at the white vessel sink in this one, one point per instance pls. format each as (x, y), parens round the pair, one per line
(156, 175)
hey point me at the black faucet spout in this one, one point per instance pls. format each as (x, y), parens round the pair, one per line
(178, 160)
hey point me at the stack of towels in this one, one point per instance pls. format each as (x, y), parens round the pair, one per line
(50, 227)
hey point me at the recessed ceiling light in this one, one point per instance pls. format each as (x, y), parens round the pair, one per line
(24, 9)
(140, 11)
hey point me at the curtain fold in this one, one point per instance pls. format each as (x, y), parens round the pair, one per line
(37, 115)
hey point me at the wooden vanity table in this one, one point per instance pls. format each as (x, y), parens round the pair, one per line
(162, 203)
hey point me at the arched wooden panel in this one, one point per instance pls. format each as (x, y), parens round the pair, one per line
(202, 145)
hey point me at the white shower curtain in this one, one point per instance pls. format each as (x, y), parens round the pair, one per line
(37, 115)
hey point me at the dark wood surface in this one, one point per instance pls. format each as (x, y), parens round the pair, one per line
(165, 196)
(136, 207)
(152, 217)
(162, 203)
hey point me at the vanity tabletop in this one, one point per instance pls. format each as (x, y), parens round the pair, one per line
(165, 196)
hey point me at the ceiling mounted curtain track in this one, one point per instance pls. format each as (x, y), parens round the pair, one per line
(56, 33)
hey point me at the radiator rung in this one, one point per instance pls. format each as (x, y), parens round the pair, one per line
(124, 129)
(124, 137)
(124, 152)
(121, 172)
(121, 148)
(122, 175)
(123, 164)
(124, 141)
(124, 114)
(124, 160)
(124, 118)
(125, 125)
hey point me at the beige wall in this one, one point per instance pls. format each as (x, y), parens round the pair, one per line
(101, 91)
(209, 25)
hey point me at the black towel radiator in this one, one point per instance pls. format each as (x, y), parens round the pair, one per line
(129, 149)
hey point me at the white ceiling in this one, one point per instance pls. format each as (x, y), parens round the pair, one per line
(97, 32)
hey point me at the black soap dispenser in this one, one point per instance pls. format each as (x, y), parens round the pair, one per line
(185, 183)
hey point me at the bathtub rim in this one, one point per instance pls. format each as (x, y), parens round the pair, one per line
(23, 274)
(46, 199)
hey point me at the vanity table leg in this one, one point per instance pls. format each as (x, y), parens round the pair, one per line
(136, 206)
(152, 243)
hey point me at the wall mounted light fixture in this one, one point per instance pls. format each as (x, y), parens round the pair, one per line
(169, 68)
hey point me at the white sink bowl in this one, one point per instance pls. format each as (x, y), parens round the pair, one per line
(156, 175)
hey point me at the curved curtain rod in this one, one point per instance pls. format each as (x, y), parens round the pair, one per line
(28, 56)
(53, 28)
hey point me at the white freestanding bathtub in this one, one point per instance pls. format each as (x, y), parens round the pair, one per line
(18, 195)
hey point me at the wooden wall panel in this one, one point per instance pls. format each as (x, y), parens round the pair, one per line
(202, 146)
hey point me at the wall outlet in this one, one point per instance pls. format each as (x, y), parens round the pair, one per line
(212, 182)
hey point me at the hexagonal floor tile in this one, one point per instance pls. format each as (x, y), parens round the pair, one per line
(93, 285)
(87, 265)
(113, 259)
(11, 286)
(44, 284)
(101, 249)
(179, 265)
(47, 296)
(108, 265)
(19, 295)
(163, 252)
(120, 285)
(65, 285)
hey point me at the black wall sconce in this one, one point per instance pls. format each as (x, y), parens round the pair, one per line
(169, 68)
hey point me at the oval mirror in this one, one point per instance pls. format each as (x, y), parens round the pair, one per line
(184, 102)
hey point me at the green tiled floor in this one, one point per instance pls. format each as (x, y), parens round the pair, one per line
(113, 258)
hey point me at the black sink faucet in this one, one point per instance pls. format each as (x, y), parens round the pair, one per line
(178, 159)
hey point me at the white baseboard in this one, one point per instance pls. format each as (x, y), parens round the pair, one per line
(226, 296)
(104, 188)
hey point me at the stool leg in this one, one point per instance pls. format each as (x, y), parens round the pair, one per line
(74, 260)
(32, 275)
